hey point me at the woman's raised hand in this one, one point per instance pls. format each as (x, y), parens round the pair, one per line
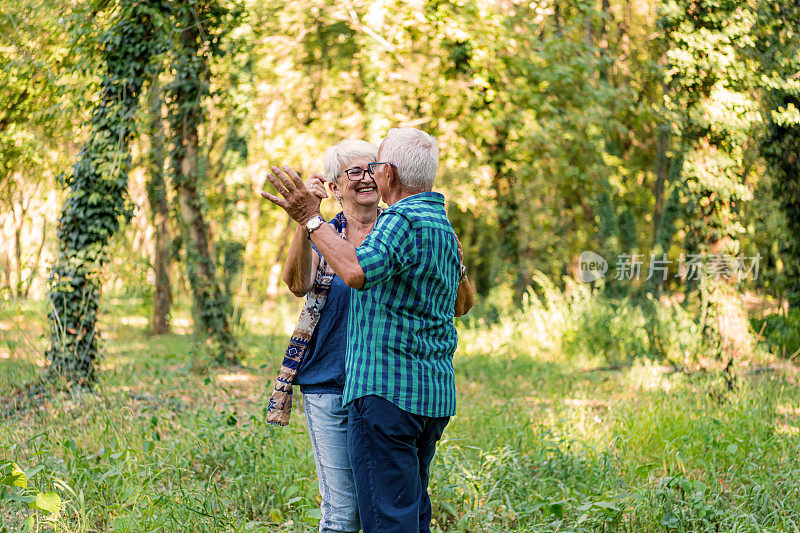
(316, 184)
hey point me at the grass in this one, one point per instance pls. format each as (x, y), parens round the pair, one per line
(544, 440)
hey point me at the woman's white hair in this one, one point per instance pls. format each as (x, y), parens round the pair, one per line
(339, 155)
(415, 154)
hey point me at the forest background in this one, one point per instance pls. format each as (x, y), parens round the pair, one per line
(135, 137)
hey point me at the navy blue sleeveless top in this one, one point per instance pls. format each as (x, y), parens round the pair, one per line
(322, 369)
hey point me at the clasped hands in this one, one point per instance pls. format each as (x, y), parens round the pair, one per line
(300, 200)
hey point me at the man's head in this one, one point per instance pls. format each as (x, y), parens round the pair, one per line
(414, 158)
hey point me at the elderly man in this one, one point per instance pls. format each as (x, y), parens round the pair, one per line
(399, 386)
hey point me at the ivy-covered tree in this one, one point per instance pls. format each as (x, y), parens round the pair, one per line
(713, 114)
(779, 48)
(98, 196)
(201, 26)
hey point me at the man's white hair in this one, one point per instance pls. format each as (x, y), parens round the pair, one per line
(338, 156)
(415, 154)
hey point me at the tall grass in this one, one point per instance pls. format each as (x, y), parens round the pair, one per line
(567, 421)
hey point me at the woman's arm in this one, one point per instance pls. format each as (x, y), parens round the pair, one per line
(464, 297)
(301, 264)
(464, 294)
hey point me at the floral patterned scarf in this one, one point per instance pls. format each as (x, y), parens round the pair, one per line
(280, 403)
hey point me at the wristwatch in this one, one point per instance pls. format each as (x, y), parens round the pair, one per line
(463, 273)
(313, 223)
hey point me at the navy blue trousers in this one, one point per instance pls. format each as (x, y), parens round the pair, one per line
(390, 452)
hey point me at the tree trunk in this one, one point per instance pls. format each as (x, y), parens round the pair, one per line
(211, 309)
(662, 169)
(254, 219)
(6, 279)
(35, 266)
(17, 285)
(19, 222)
(98, 193)
(159, 213)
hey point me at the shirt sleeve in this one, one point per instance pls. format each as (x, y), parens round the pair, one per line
(388, 250)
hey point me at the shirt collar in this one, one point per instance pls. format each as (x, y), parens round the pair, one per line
(427, 197)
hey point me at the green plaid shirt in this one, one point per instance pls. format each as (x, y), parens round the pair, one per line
(401, 337)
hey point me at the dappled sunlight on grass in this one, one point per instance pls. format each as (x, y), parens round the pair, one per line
(182, 326)
(786, 429)
(788, 410)
(238, 377)
(647, 376)
(136, 321)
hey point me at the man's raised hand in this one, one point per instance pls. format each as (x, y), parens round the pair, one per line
(299, 202)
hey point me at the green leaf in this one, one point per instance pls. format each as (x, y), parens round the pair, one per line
(448, 508)
(732, 448)
(607, 508)
(22, 498)
(16, 478)
(291, 491)
(275, 516)
(294, 501)
(557, 509)
(50, 502)
(670, 520)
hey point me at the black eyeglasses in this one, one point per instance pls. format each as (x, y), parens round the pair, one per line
(371, 166)
(357, 173)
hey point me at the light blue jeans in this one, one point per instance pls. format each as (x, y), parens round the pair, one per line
(327, 427)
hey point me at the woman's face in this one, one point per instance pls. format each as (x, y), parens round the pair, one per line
(362, 192)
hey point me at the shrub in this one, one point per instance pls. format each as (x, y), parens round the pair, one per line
(581, 322)
(781, 332)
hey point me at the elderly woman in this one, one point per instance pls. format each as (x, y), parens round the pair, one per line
(315, 359)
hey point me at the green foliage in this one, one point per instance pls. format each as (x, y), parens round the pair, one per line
(781, 332)
(582, 324)
(193, 50)
(551, 118)
(709, 74)
(19, 494)
(779, 32)
(33, 96)
(230, 259)
(97, 199)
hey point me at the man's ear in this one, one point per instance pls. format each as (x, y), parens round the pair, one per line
(391, 176)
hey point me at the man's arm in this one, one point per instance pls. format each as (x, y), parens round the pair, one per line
(302, 204)
(340, 254)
